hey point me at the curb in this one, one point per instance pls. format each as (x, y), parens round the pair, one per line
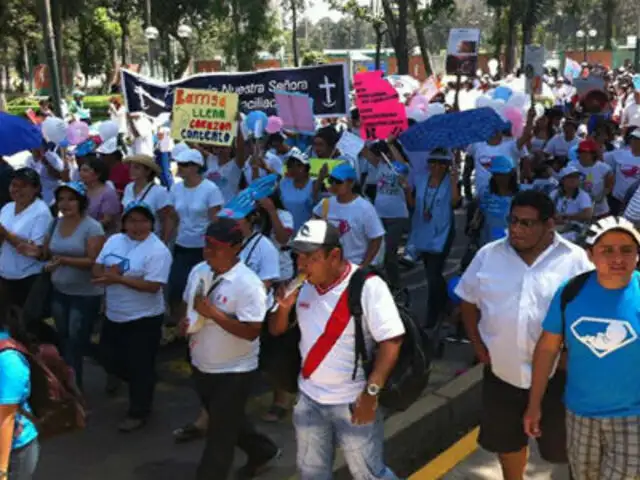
(429, 426)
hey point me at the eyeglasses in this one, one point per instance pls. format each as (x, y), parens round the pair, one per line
(335, 181)
(524, 222)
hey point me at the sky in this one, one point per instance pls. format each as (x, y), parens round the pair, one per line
(321, 9)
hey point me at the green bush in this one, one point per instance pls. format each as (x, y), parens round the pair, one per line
(99, 105)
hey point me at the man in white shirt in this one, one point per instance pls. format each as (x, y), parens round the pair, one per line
(631, 113)
(338, 406)
(506, 292)
(224, 353)
(560, 144)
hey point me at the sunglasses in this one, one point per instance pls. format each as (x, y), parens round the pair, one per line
(524, 222)
(335, 181)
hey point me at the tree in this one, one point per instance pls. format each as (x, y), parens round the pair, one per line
(295, 8)
(98, 34)
(424, 17)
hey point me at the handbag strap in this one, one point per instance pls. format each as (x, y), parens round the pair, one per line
(146, 192)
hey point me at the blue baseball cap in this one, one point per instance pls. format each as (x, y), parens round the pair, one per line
(344, 172)
(77, 187)
(501, 164)
(138, 205)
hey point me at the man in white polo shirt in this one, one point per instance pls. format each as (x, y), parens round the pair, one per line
(506, 292)
(336, 407)
(224, 352)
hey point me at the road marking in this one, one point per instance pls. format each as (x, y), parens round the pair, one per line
(447, 460)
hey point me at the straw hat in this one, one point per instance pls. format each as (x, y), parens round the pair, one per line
(144, 160)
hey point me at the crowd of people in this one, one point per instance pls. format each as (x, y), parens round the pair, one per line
(140, 234)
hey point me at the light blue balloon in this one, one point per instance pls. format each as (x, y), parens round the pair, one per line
(573, 154)
(64, 143)
(252, 120)
(502, 93)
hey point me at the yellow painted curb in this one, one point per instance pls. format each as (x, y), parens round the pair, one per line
(447, 460)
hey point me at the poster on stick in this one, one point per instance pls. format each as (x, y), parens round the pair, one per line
(381, 113)
(533, 68)
(462, 51)
(204, 116)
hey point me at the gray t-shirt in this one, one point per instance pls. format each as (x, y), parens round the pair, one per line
(71, 280)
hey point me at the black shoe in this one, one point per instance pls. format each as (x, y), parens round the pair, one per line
(254, 468)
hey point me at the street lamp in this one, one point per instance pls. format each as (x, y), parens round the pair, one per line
(584, 36)
(151, 33)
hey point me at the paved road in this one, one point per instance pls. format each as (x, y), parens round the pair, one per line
(101, 453)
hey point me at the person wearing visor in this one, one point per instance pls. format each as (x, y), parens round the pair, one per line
(70, 251)
(625, 163)
(334, 409)
(224, 351)
(598, 323)
(596, 177)
(360, 227)
(133, 266)
(24, 225)
(299, 192)
(433, 198)
(196, 202)
(574, 207)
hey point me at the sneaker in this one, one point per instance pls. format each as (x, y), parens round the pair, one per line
(254, 468)
(131, 424)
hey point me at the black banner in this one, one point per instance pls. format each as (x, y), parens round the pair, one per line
(327, 85)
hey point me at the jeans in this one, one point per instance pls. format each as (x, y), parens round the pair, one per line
(129, 352)
(163, 159)
(23, 462)
(321, 428)
(394, 228)
(434, 263)
(74, 316)
(224, 396)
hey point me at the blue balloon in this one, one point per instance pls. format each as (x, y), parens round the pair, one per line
(502, 93)
(64, 143)
(253, 118)
(573, 154)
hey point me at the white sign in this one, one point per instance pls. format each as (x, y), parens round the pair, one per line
(462, 51)
(350, 145)
(533, 68)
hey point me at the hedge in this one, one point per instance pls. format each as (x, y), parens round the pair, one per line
(99, 105)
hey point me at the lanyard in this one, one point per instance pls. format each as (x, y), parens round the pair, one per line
(433, 199)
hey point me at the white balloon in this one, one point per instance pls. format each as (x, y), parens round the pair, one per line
(539, 110)
(498, 106)
(54, 129)
(482, 101)
(435, 109)
(108, 130)
(517, 100)
(493, 66)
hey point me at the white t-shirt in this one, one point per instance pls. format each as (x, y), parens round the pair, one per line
(120, 117)
(149, 260)
(286, 262)
(157, 197)
(559, 146)
(390, 199)
(143, 143)
(226, 177)
(358, 223)
(627, 170)
(631, 116)
(33, 223)
(571, 205)
(49, 183)
(331, 383)
(593, 180)
(273, 162)
(192, 206)
(482, 154)
(241, 295)
(262, 257)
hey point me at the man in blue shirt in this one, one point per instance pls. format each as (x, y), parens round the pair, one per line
(600, 326)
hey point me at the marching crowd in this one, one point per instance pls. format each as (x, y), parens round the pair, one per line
(245, 247)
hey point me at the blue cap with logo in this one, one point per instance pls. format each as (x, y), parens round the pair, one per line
(344, 172)
(77, 187)
(501, 164)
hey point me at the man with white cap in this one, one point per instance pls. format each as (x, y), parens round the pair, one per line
(336, 406)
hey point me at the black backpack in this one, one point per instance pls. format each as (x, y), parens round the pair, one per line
(410, 376)
(570, 292)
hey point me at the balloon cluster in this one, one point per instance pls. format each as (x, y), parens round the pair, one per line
(420, 109)
(56, 130)
(510, 105)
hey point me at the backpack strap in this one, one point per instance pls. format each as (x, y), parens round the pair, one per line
(11, 344)
(570, 292)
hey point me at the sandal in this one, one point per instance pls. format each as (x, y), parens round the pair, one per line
(187, 433)
(275, 414)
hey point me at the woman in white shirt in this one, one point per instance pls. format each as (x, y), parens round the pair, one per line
(134, 267)
(24, 224)
(143, 171)
(597, 177)
(196, 201)
(574, 207)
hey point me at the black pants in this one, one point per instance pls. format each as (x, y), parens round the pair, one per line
(434, 264)
(129, 352)
(224, 396)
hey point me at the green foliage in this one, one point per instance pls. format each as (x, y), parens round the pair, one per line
(312, 57)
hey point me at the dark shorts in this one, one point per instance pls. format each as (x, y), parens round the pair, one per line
(503, 408)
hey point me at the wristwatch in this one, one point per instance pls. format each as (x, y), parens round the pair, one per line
(373, 390)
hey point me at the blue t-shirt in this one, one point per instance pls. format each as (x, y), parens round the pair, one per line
(297, 201)
(495, 209)
(601, 332)
(430, 231)
(15, 387)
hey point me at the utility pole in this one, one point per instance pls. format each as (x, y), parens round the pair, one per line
(637, 56)
(50, 49)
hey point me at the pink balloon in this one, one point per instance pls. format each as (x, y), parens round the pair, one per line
(515, 116)
(274, 124)
(77, 132)
(419, 102)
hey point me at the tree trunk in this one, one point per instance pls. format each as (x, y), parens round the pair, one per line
(509, 57)
(294, 32)
(24, 66)
(398, 32)
(124, 38)
(58, 31)
(422, 41)
(379, 34)
(610, 8)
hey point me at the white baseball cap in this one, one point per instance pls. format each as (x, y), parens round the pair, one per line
(179, 148)
(608, 224)
(190, 155)
(108, 147)
(635, 134)
(315, 234)
(568, 170)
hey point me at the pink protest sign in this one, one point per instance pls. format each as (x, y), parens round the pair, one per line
(296, 112)
(381, 114)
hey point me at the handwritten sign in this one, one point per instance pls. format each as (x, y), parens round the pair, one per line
(462, 51)
(350, 145)
(533, 68)
(381, 114)
(204, 116)
(296, 112)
